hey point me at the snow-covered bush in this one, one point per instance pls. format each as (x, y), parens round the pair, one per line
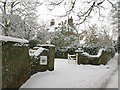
(63, 40)
(61, 52)
(34, 62)
(33, 43)
(102, 57)
(71, 50)
(111, 51)
(42, 36)
(92, 49)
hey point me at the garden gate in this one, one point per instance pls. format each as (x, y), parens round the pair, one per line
(72, 59)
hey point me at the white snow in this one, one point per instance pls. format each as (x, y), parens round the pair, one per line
(48, 45)
(35, 48)
(72, 76)
(31, 52)
(37, 52)
(113, 83)
(98, 55)
(12, 39)
(79, 50)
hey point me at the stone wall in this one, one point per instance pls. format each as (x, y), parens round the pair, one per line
(15, 64)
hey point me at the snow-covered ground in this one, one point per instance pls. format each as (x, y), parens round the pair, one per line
(113, 83)
(75, 76)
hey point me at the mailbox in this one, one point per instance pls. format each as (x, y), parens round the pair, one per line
(43, 60)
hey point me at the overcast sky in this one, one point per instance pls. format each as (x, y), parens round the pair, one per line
(46, 15)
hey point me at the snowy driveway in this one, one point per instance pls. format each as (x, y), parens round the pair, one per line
(72, 75)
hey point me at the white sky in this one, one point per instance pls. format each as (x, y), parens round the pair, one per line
(46, 15)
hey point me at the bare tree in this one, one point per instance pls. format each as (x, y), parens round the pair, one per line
(81, 8)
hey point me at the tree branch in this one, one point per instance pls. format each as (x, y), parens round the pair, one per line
(87, 13)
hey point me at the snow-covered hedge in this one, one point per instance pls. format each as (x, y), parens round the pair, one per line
(33, 43)
(102, 57)
(35, 61)
(61, 53)
(44, 50)
(51, 49)
(92, 49)
(15, 62)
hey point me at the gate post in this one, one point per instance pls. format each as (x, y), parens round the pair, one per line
(79, 56)
(51, 49)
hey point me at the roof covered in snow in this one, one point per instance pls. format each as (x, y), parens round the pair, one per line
(12, 39)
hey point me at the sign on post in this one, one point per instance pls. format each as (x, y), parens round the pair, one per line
(43, 60)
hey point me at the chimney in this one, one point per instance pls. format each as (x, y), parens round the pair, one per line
(70, 21)
(52, 22)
